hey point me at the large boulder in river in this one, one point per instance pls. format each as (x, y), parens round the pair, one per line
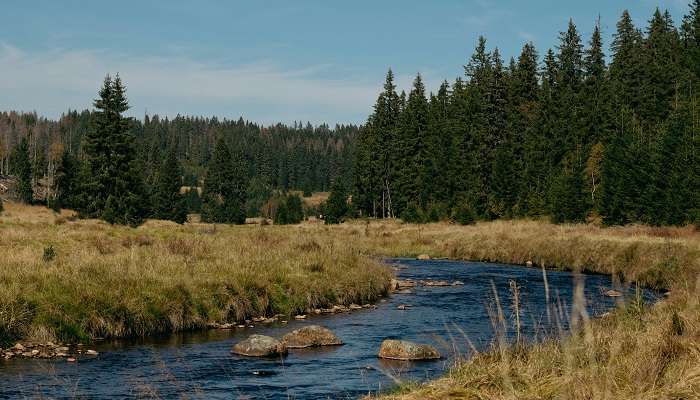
(259, 346)
(310, 336)
(405, 350)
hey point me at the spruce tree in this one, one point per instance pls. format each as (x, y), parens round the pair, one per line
(690, 35)
(22, 167)
(289, 210)
(336, 209)
(526, 139)
(661, 72)
(224, 187)
(596, 94)
(627, 63)
(112, 182)
(411, 148)
(67, 184)
(168, 203)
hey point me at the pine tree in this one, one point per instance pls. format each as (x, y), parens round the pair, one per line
(289, 210)
(224, 188)
(690, 35)
(336, 207)
(168, 203)
(66, 183)
(385, 124)
(112, 182)
(526, 140)
(596, 94)
(193, 201)
(480, 141)
(22, 167)
(616, 178)
(411, 148)
(567, 192)
(503, 183)
(661, 72)
(627, 63)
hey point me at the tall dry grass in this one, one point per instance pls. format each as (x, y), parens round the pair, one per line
(110, 281)
(637, 352)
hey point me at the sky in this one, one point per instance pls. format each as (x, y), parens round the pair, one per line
(267, 61)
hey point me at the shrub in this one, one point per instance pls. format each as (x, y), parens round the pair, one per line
(335, 209)
(435, 212)
(412, 214)
(49, 253)
(289, 210)
(464, 214)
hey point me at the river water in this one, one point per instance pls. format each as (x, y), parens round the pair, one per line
(200, 365)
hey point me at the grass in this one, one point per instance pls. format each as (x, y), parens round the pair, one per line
(68, 279)
(112, 281)
(636, 352)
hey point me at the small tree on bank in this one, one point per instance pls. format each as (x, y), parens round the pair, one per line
(336, 207)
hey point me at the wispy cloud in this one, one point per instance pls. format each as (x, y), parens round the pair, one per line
(52, 81)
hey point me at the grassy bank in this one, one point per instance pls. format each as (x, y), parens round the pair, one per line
(637, 352)
(76, 279)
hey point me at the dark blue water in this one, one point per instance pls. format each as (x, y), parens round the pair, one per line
(199, 365)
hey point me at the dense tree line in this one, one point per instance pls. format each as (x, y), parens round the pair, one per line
(568, 136)
(108, 166)
(278, 157)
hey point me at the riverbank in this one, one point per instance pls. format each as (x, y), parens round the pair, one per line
(69, 280)
(635, 352)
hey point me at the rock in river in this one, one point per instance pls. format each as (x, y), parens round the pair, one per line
(259, 346)
(310, 336)
(405, 350)
(423, 257)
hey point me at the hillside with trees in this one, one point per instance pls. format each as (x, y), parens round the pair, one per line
(278, 158)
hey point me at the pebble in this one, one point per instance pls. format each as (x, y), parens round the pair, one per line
(91, 352)
(70, 359)
(301, 316)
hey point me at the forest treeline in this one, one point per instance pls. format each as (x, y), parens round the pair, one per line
(566, 135)
(277, 158)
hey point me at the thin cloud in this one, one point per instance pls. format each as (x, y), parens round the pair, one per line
(55, 80)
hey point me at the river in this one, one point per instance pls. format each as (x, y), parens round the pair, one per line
(200, 365)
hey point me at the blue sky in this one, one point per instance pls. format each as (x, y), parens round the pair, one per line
(268, 61)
